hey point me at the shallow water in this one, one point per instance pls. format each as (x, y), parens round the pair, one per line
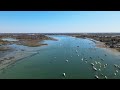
(9, 39)
(50, 62)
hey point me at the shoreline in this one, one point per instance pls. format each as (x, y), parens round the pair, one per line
(17, 53)
(30, 46)
(24, 39)
(13, 57)
(102, 45)
(6, 63)
(106, 48)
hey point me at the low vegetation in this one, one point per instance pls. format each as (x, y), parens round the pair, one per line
(31, 40)
(110, 40)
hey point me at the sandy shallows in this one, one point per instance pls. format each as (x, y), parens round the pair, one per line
(16, 54)
(106, 48)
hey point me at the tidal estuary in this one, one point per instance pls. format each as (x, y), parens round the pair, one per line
(67, 58)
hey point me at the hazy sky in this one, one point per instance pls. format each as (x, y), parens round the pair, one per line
(59, 21)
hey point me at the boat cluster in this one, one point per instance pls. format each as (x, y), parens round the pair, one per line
(117, 67)
(99, 69)
(97, 66)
